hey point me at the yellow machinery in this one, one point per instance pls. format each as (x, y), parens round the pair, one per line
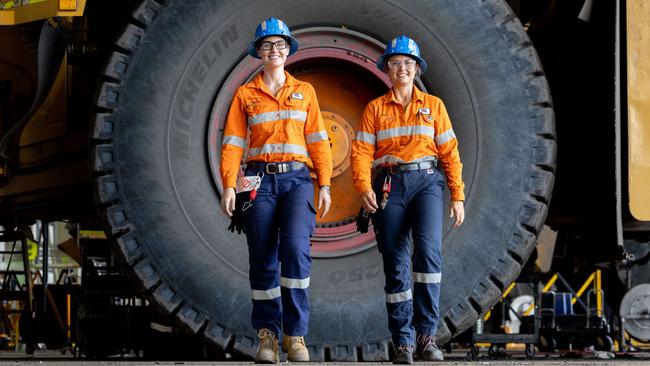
(17, 12)
(638, 109)
(111, 116)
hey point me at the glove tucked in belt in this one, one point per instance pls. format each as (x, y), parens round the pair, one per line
(237, 218)
(247, 188)
(363, 220)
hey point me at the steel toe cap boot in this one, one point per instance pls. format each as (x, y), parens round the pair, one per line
(267, 352)
(428, 350)
(295, 348)
(403, 355)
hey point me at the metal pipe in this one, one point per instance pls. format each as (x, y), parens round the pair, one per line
(583, 288)
(550, 283)
(599, 295)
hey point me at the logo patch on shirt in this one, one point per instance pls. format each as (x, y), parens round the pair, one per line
(424, 111)
(296, 96)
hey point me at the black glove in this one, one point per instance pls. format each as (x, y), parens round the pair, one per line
(363, 219)
(237, 218)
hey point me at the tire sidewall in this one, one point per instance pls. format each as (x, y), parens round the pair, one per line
(165, 174)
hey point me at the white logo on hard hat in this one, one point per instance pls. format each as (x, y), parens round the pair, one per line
(264, 25)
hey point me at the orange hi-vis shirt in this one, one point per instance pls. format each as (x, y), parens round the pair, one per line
(389, 134)
(288, 127)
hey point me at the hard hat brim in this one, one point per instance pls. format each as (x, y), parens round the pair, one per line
(381, 62)
(252, 51)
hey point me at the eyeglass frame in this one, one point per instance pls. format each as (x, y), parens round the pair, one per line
(408, 63)
(287, 44)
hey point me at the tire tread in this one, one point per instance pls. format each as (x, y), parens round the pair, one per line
(462, 315)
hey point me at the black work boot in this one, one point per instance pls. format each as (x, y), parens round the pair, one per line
(403, 355)
(427, 349)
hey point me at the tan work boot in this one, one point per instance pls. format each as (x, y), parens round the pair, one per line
(295, 348)
(268, 348)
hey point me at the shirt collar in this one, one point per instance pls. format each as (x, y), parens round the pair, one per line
(415, 96)
(258, 81)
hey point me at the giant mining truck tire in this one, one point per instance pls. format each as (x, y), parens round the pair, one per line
(156, 141)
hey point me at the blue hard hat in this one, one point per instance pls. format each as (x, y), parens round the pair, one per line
(272, 27)
(402, 45)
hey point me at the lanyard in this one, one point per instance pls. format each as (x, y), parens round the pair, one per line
(253, 193)
(387, 184)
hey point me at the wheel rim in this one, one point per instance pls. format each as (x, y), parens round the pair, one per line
(340, 64)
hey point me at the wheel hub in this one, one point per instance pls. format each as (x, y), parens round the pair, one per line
(340, 64)
(341, 134)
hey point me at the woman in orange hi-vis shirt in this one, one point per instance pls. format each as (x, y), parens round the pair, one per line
(405, 135)
(286, 131)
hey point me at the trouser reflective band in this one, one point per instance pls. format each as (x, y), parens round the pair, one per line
(414, 210)
(278, 227)
(266, 294)
(294, 282)
(399, 297)
(427, 277)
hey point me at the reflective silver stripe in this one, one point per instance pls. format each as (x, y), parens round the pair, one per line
(278, 149)
(405, 131)
(294, 282)
(266, 294)
(445, 137)
(427, 277)
(390, 159)
(317, 136)
(399, 297)
(234, 140)
(366, 137)
(277, 116)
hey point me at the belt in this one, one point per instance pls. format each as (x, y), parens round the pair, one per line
(398, 168)
(276, 168)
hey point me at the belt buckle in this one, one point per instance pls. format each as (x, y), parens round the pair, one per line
(271, 168)
(395, 167)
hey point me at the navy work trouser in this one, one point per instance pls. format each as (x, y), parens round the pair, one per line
(278, 227)
(414, 207)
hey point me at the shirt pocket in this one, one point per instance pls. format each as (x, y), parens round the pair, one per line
(252, 106)
(427, 130)
(385, 122)
(426, 119)
(296, 104)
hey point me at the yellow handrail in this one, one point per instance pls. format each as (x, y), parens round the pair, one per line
(505, 293)
(550, 283)
(594, 278)
(599, 295)
(583, 288)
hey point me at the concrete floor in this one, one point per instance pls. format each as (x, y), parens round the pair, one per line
(53, 357)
